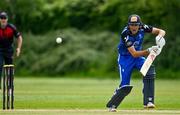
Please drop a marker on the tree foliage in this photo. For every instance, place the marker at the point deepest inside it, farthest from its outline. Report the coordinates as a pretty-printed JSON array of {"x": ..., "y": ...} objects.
[{"x": 79, "y": 52}]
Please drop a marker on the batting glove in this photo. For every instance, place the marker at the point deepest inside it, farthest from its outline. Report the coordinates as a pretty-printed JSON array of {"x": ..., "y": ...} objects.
[
  {"x": 156, "y": 49},
  {"x": 152, "y": 48},
  {"x": 160, "y": 41}
]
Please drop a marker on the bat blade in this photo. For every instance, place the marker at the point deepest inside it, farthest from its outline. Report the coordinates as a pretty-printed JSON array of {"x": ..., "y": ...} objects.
[{"x": 151, "y": 57}]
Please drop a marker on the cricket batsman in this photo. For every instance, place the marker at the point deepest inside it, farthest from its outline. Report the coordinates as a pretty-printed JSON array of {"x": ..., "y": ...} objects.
[
  {"x": 7, "y": 33},
  {"x": 131, "y": 56}
]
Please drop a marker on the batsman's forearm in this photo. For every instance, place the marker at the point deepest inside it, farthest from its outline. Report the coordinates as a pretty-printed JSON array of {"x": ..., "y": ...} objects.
[
  {"x": 140, "y": 53},
  {"x": 135, "y": 53},
  {"x": 159, "y": 32}
]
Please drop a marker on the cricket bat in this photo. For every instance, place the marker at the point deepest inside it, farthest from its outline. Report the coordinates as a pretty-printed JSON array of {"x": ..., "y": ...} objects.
[{"x": 151, "y": 57}]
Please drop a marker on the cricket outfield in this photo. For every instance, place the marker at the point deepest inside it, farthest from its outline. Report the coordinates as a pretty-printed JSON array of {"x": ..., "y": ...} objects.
[{"x": 82, "y": 96}]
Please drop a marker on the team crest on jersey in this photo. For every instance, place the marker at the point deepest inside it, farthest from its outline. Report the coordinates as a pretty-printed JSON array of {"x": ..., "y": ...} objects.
[{"x": 140, "y": 36}]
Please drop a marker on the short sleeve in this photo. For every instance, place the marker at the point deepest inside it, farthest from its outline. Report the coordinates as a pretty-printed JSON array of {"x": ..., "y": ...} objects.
[
  {"x": 147, "y": 28},
  {"x": 16, "y": 33},
  {"x": 125, "y": 38}
]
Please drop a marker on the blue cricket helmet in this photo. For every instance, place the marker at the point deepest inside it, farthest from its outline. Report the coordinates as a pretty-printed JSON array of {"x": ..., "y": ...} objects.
[{"x": 134, "y": 19}]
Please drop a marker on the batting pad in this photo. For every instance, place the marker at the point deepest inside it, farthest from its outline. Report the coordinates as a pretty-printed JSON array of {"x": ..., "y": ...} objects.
[{"x": 119, "y": 95}]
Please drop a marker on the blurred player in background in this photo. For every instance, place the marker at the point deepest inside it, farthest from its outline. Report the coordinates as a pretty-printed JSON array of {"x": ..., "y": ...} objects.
[
  {"x": 131, "y": 56},
  {"x": 7, "y": 33}
]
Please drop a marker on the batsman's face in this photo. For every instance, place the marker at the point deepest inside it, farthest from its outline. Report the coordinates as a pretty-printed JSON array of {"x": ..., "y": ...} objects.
[{"x": 134, "y": 28}]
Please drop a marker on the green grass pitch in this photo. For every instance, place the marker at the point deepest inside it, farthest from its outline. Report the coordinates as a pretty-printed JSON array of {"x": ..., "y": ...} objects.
[{"x": 71, "y": 96}]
